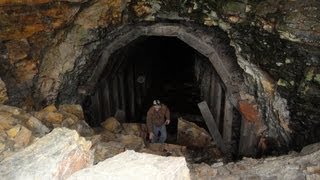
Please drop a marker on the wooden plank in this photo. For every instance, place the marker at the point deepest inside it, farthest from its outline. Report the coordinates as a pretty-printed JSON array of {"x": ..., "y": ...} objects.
[
  {"x": 212, "y": 94},
  {"x": 227, "y": 122},
  {"x": 217, "y": 103},
  {"x": 131, "y": 90},
  {"x": 248, "y": 140},
  {"x": 122, "y": 92},
  {"x": 106, "y": 100},
  {"x": 115, "y": 94},
  {"x": 211, "y": 124},
  {"x": 98, "y": 100}
]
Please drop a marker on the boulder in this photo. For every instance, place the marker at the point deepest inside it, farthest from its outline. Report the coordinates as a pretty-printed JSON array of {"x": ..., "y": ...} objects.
[
  {"x": 164, "y": 149},
  {"x": 136, "y": 129},
  {"x": 112, "y": 124},
  {"x": 55, "y": 156},
  {"x": 131, "y": 142},
  {"x": 3, "y": 92},
  {"x": 107, "y": 136},
  {"x": 189, "y": 134},
  {"x": 49, "y": 118},
  {"x": 202, "y": 171},
  {"x": 37, "y": 127},
  {"x": 105, "y": 150},
  {"x": 132, "y": 165},
  {"x": 11, "y": 116},
  {"x": 12, "y": 110},
  {"x": 17, "y": 130},
  {"x": 82, "y": 128},
  {"x": 73, "y": 109},
  {"x": 7, "y": 121},
  {"x": 310, "y": 149},
  {"x": 22, "y": 138},
  {"x": 50, "y": 108}
]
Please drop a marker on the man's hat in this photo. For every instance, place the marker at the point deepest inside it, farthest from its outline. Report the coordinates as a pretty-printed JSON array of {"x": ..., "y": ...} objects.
[{"x": 156, "y": 102}]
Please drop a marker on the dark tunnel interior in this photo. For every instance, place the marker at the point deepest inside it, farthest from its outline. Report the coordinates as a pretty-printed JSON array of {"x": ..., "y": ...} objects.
[{"x": 153, "y": 67}]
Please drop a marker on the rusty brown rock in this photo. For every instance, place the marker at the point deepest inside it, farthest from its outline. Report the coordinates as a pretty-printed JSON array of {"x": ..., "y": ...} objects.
[
  {"x": 25, "y": 70},
  {"x": 35, "y": 2},
  {"x": 249, "y": 111},
  {"x": 142, "y": 9},
  {"x": 95, "y": 16},
  {"x": 19, "y": 22},
  {"x": 17, "y": 50}
]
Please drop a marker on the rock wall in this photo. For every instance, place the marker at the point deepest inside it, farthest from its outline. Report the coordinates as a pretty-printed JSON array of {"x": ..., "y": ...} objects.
[{"x": 47, "y": 48}]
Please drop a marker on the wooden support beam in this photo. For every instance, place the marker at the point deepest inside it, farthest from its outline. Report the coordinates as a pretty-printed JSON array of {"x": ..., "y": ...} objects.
[
  {"x": 98, "y": 100},
  {"x": 131, "y": 90},
  {"x": 122, "y": 92},
  {"x": 227, "y": 122},
  {"x": 248, "y": 139},
  {"x": 217, "y": 103},
  {"x": 212, "y": 126},
  {"x": 106, "y": 100},
  {"x": 212, "y": 94},
  {"x": 115, "y": 95}
]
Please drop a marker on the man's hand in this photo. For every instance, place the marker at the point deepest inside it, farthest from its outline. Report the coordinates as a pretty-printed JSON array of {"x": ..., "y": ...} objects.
[
  {"x": 151, "y": 135},
  {"x": 167, "y": 122}
]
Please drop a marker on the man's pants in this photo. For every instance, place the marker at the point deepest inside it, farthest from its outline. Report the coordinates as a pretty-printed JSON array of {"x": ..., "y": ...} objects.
[{"x": 160, "y": 134}]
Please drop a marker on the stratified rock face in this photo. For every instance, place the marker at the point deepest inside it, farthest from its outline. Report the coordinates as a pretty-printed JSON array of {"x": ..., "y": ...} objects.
[
  {"x": 189, "y": 134},
  {"x": 3, "y": 92},
  {"x": 64, "y": 55},
  {"x": 55, "y": 156},
  {"x": 132, "y": 165},
  {"x": 27, "y": 28}
]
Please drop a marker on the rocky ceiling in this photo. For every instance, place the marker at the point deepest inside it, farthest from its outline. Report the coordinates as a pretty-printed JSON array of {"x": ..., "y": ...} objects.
[{"x": 48, "y": 47}]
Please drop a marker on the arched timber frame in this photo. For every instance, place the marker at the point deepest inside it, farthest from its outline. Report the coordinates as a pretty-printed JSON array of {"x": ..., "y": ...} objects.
[{"x": 205, "y": 41}]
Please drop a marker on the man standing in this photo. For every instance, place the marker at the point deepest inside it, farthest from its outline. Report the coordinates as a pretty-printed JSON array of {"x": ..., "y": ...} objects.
[{"x": 158, "y": 117}]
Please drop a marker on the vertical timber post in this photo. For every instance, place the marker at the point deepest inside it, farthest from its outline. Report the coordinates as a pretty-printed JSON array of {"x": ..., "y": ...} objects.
[{"x": 227, "y": 122}]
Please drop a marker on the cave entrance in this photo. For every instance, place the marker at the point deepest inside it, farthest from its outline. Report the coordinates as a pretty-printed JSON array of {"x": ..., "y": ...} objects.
[
  {"x": 180, "y": 65},
  {"x": 154, "y": 67}
]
